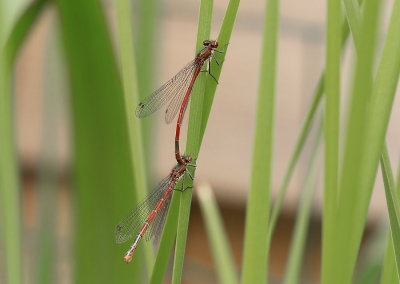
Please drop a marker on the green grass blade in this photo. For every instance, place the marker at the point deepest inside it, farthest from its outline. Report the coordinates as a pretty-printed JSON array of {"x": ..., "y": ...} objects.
[
  {"x": 353, "y": 15},
  {"x": 21, "y": 28},
  {"x": 131, "y": 96},
  {"x": 389, "y": 272},
  {"x": 223, "y": 40},
  {"x": 369, "y": 265},
  {"x": 103, "y": 173},
  {"x": 393, "y": 205},
  {"x": 148, "y": 16},
  {"x": 316, "y": 98},
  {"x": 305, "y": 129},
  {"x": 331, "y": 132},
  {"x": 181, "y": 234},
  {"x": 193, "y": 142},
  {"x": 382, "y": 99},
  {"x": 387, "y": 275},
  {"x": 377, "y": 118},
  {"x": 258, "y": 206},
  {"x": 167, "y": 239},
  {"x": 10, "y": 207},
  {"x": 222, "y": 254},
  {"x": 350, "y": 218},
  {"x": 297, "y": 245},
  {"x": 370, "y": 274},
  {"x": 196, "y": 112},
  {"x": 9, "y": 185}
]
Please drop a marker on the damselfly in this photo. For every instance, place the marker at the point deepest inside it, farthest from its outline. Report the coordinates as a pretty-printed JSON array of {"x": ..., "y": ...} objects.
[
  {"x": 177, "y": 91},
  {"x": 149, "y": 216}
]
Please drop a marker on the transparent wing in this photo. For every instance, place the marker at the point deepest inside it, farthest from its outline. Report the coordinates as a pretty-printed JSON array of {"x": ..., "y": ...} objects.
[
  {"x": 159, "y": 221},
  {"x": 176, "y": 102},
  {"x": 156, "y": 230},
  {"x": 131, "y": 224},
  {"x": 171, "y": 89}
]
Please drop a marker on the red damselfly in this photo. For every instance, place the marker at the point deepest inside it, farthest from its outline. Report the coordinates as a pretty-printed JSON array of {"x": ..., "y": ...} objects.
[
  {"x": 178, "y": 89},
  {"x": 149, "y": 216}
]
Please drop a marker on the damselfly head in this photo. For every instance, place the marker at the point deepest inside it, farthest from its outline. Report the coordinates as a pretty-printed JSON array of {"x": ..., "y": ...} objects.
[
  {"x": 187, "y": 159},
  {"x": 211, "y": 43}
]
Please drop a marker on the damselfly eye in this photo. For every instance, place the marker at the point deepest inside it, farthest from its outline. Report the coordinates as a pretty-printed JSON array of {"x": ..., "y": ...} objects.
[
  {"x": 215, "y": 44},
  {"x": 206, "y": 42}
]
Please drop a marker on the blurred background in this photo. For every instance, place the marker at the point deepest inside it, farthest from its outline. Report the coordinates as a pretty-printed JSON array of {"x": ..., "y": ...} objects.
[{"x": 42, "y": 111}]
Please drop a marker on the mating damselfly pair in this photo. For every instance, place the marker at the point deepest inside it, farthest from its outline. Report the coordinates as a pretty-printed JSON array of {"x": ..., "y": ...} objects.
[{"x": 149, "y": 216}]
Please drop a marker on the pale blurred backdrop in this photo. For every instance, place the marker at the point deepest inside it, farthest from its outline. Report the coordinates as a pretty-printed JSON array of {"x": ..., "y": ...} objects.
[{"x": 225, "y": 157}]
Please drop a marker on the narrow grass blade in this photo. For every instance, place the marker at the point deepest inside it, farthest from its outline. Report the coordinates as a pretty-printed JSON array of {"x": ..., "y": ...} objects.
[
  {"x": 103, "y": 168},
  {"x": 223, "y": 40},
  {"x": 181, "y": 235},
  {"x": 148, "y": 18},
  {"x": 389, "y": 271},
  {"x": 353, "y": 195},
  {"x": 297, "y": 244},
  {"x": 131, "y": 96},
  {"x": 166, "y": 242},
  {"x": 10, "y": 207},
  {"x": 370, "y": 275},
  {"x": 305, "y": 129},
  {"x": 353, "y": 16},
  {"x": 217, "y": 237},
  {"x": 193, "y": 142},
  {"x": 21, "y": 28},
  {"x": 369, "y": 266},
  {"x": 393, "y": 205},
  {"x": 148, "y": 14},
  {"x": 255, "y": 252},
  {"x": 382, "y": 99},
  {"x": 331, "y": 132}
]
